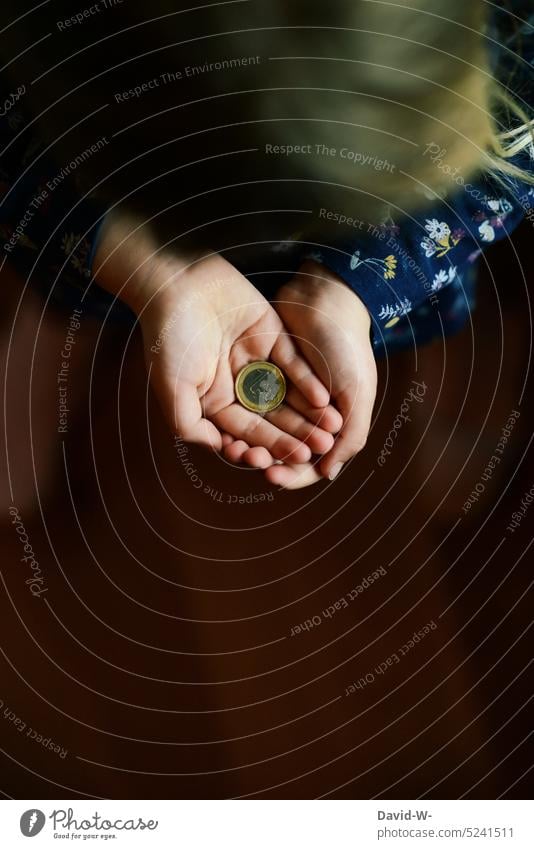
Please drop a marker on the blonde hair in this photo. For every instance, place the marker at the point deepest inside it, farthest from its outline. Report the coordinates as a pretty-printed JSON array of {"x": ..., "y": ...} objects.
[
  {"x": 385, "y": 80},
  {"x": 379, "y": 79}
]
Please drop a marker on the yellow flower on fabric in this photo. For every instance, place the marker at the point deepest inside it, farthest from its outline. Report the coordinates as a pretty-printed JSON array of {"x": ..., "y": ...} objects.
[
  {"x": 391, "y": 263},
  {"x": 439, "y": 237}
]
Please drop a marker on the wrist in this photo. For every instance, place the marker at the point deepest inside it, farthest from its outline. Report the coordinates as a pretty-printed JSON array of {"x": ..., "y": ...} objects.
[
  {"x": 328, "y": 294},
  {"x": 130, "y": 263}
]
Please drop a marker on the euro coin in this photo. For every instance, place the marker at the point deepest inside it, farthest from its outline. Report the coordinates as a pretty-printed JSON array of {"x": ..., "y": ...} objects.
[{"x": 260, "y": 387}]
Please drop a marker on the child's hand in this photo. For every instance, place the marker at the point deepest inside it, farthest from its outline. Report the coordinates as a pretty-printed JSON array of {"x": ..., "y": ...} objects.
[
  {"x": 199, "y": 331},
  {"x": 202, "y": 321},
  {"x": 331, "y": 326}
]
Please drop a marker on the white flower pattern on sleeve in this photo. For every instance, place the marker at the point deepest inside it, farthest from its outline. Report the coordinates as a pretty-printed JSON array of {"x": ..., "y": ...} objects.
[
  {"x": 501, "y": 208},
  {"x": 440, "y": 239},
  {"x": 391, "y": 313},
  {"x": 443, "y": 278}
]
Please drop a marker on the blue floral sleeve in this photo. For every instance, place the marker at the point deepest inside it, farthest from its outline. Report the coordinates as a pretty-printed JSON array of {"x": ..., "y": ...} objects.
[
  {"x": 416, "y": 278},
  {"x": 48, "y": 229}
]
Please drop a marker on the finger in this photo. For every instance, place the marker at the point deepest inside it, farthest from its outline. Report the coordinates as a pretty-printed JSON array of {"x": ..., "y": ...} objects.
[
  {"x": 188, "y": 419},
  {"x": 226, "y": 439},
  {"x": 257, "y": 431},
  {"x": 288, "y": 420},
  {"x": 328, "y": 418},
  {"x": 293, "y": 476},
  {"x": 235, "y": 450},
  {"x": 299, "y": 372},
  {"x": 240, "y": 452},
  {"x": 258, "y": 458},
  {"x": 356, "y": 406}
]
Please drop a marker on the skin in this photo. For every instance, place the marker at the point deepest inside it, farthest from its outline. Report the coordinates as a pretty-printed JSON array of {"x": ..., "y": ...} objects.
[
  {"x": 331, "y": 326},
  {"x": 205, "y": 321}
]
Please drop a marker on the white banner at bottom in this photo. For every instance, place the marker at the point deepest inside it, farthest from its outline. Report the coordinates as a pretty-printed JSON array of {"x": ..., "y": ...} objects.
[{"x": 268, "y": 824}]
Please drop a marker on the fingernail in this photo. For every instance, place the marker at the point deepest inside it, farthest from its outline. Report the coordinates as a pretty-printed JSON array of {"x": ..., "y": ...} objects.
[{"x": 334, "y": 471}]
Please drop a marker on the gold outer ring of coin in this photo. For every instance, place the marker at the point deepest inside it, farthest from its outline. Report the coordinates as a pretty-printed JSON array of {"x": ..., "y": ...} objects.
[{"x": 246, "y": 401}]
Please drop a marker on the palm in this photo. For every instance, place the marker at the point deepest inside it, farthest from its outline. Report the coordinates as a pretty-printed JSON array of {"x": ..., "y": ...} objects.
[
  {"x": 332, "y": 328},
  {"x": 219, "y": 324}
]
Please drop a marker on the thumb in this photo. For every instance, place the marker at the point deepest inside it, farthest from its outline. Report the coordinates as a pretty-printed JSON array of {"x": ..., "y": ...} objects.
[
  {"x": 355, "y": 403},
  {"x": 183, "y": 411}
]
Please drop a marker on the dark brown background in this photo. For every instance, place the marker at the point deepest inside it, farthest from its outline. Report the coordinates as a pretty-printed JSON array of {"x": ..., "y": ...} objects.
[{"x": 162, "y": 658}]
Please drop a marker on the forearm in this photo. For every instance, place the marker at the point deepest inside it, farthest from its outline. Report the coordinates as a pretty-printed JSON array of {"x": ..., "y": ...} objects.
[
  {"x": 131, "y": 264},
  {"x": 126, "y": 249}
]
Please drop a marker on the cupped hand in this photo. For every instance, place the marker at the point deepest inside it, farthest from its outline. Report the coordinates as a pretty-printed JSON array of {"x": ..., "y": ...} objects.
[
  {"x": 331, "y": 327},
  {"x": 201, "y": 325},
  {"x": 201, "y": 322}
]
